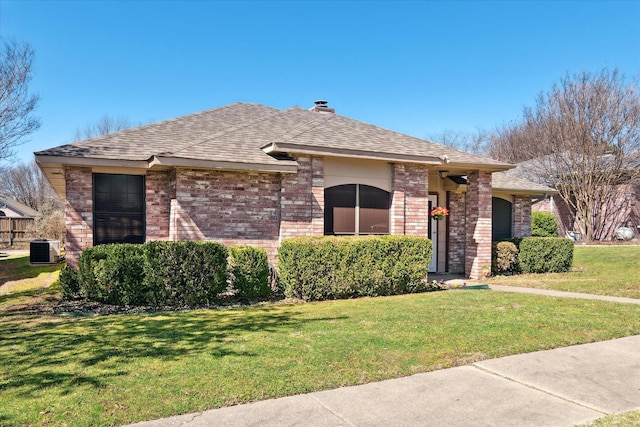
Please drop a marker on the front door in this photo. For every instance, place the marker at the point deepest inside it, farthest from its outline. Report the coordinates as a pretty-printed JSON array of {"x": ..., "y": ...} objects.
[{"x": 433, "y": 234}]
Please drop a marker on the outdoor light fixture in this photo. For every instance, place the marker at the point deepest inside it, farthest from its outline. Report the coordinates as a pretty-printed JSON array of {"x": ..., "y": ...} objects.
[{"x": 443, "y": 174}]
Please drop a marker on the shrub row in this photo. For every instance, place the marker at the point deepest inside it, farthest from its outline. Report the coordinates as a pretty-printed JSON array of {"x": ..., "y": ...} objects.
[
  {"x": 319, "y": 268},
  {"x": 533, "y": 255},
  {"x": 167, "y": 273}
]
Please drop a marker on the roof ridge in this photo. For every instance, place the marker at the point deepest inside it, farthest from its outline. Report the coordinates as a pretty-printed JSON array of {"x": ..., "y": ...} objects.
[
  {"x": 291, "y": 133},
  {"x": 162, "y": 122}
]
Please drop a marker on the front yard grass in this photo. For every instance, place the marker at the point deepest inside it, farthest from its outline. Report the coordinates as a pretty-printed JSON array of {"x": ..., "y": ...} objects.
[
  {"x": 117, "y": 369},
  {"x": 599, "y": 270},
  {"x": 110, "y": 370}
]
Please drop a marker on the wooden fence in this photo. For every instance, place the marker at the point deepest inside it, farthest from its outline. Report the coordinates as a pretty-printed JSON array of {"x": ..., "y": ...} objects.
[{"x": 15, "y": 230}]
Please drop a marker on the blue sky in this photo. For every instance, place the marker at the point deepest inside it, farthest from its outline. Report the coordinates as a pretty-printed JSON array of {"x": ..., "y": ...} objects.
[{"x": 415, "y": 67}]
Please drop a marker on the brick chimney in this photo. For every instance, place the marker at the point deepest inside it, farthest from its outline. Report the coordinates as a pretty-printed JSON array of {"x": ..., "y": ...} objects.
[{"x": 320, "y": 106}]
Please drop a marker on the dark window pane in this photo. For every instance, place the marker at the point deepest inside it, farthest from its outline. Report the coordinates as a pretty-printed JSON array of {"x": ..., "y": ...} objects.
[
  {"x": 374, "y": 210},
  {"x": 501, "y": 219},
  {"x": 118, "y": 208},
  {"x": 341, "y": 196},
  {"x": 344, "y": 220},
  {"x": 372, "y": 197},
  {"x": 374, "y": 221}
]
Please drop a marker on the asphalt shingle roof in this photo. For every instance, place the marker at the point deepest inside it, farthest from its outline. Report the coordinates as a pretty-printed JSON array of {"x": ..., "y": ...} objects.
[
  {"x": 508, "y": 181},
  {"x": 238, "y": 132}
]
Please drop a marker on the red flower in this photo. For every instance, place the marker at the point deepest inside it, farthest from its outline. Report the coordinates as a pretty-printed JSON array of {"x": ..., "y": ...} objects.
[{"x": 439, "y": 212}]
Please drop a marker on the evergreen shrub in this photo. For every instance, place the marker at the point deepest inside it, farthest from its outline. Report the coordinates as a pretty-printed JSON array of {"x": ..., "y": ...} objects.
[
  {"x": 544, "y": 224},
  {"x": 249, "y": 272},
  {"x": 184, "y": 273},
  {"x": 545, "y": 255},
  {"x": 320, "y": 268}
]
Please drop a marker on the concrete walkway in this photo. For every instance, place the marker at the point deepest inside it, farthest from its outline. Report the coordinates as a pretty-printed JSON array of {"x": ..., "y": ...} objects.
[
  {"x": 563, "y": 294},
  {"x": 560, "y": 387}
]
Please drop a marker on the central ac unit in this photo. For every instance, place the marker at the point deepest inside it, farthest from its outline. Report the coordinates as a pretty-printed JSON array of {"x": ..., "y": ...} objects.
[{"x": 43, "y": 251}]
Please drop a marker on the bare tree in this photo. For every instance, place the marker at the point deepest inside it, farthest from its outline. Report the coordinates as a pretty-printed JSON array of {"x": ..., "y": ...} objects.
[
  {"x": 103, "y": 126},
  {"x": 26, "y": 183},
  {"x": 474, "y": 142},
  {"x": 16, "y": 103},
  {"x": 583, "y": 138}
]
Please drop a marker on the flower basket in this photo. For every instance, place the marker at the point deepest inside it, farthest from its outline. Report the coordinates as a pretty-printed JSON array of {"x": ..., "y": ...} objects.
[{"x": 438, "y": 213}]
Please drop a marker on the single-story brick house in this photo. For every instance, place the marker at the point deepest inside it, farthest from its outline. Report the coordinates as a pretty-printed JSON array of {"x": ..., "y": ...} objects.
[{"x": 252, "y": 174}]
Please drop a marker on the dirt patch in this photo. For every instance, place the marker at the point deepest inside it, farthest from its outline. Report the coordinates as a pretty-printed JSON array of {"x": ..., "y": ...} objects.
[
  {"x": 51, "y": 304},
  {"x": 7, "y": 287}
]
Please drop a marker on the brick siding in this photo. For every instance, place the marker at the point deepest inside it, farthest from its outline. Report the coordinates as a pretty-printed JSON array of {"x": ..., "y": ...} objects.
[
  {"x": 302, "y": 200},
  {"x": 410, "y": 200},
  {"x": 78, "y": 212},
  {"x": 521, "y": 216},
  {"x": 478, "y": 230},
  {"x": 457, "y": 232},
  {"x": 261, "y": 209},
  {"x": 160, "y": 189},
  {"x": 397, "y": 199},
  {"x": 229, "y": 207}
]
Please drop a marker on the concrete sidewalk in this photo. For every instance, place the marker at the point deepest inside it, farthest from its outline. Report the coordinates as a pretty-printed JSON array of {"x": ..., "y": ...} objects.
[
  {"x": 563, "y": 294},
  {"x": 560, "y": 387}
]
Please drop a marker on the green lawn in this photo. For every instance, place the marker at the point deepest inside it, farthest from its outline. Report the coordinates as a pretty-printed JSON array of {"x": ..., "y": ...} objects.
[
  {"x": 626, "y": 419},
  {"x": 599, "y": 270},
  {"x": 117, "y": 369}
]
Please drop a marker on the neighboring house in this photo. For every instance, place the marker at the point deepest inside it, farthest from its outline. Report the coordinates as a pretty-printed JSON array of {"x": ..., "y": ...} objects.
[
  {"x": 15, "y": 219},
  {"x": 14, "y": 209},
  {"x": 252, "y": 174},
  {"x": 621, "y": 210}
]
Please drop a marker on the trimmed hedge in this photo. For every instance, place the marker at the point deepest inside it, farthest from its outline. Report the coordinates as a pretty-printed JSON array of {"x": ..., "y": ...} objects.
[
  {"x": 544, "y": 224},
  {"x": 184, "y": 273},
  {"x": 249, "y": 272},
  {"x": 319, "y": 268},
  {"x": 69, "y": 282},
  {"x": 154, "y": 273},
  {"x": 545, "y": 255}
]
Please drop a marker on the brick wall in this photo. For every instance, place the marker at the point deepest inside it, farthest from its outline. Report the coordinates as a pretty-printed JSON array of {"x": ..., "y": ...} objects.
[
  {"x": 78, "y": 212},
  {"x": 457, "y": 232},
  {"x": 302, "y": 200},
  {"x": 229, "y": 207},
  {"x": 478, "y": 232},
  {"x": 416, "y": 200},
  {"x": 160, "y": 189},
  {"x": 397, "y": 199},
  {"x": 410, "y": 200},
  {"x": 317, "y": 199},
  {"x": 521, "y": 216}
]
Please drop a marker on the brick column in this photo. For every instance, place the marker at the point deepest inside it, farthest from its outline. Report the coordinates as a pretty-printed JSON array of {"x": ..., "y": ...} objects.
[
  {"x": 478, "y": 217},
  {"x": 416, "y": 202},
  {"x": 410, "y": 200},
  {"x": 317, "y": 196},
  {"x": 457, "y": 232},
  {"x": 299, "y": 204},
  {"x": 159, "y": 188},
  {"x": 521, "y": 214},
  {"x": 397, "y": 199},
  {"x": 78, "y": 212}
]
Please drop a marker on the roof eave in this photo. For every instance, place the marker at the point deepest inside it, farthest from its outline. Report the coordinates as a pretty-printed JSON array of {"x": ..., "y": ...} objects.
[
  {"x": 360, "y": 154},
  {"x": 90, "y": 161},
  {"x": 284, "y": 166},
  {"x": 527, "y": 192}
]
